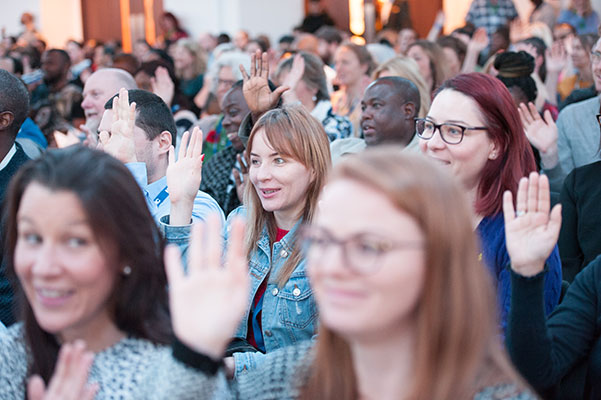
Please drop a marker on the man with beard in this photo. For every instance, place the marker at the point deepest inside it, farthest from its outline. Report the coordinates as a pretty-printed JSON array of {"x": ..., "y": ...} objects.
[{"x": 63, "y": 97}]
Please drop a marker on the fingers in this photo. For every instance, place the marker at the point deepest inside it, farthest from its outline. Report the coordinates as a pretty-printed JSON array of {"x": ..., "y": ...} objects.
[
  {"x": 253, "y": 61},
  {"x": 153, "y": 84},
  {"x": 171, "y": 155},
  {"x": 279, "y": 91},
  {"x": 554, "y": 224},
  {"x": 548, "y": 118},
  {"x": 183, "y": 145},
  {"x": 245, "y": 76},
  {"x": 174, "y": 268},
  {"x": 36, "y": 388},
  {"x": 242, "y": 163},
  {"x": 508, "y": 210},
  {"x": 522, "y": 196},
  {"x": 265, "y": 66},
  {"x": 131, "y": 118},
  {"x": 115, "y": 109},
  {"x": 533, "y": 111},
  {"x": 237, "y": 178},
  {"x": 104, "y": 138},
  {"x": 532, "y": 202},
  {"x": 197, "y": 149}
]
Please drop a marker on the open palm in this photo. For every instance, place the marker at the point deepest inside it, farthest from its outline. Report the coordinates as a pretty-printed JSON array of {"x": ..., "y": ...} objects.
[
  {"x": 531, "y": 232},
  {"x": 208, "y": 303},
  {"x": 542, "y": 133},
  {"x": 257, "y": 93}
]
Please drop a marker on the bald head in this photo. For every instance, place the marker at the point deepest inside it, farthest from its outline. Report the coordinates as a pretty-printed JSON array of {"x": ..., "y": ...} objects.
[
  {"x": 388, "y": 107},
  {"x": 99, "y": 88}
]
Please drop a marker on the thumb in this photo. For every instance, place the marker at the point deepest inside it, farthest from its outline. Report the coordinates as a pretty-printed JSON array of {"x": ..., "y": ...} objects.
[
  {"x": 36, "y": 388},
  {"x": 237, "y": 179},
  {"x": 280, "y": 90}
]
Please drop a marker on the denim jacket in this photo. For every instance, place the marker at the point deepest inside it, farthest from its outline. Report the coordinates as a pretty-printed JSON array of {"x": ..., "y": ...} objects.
[{"x": 289, "y": 313}]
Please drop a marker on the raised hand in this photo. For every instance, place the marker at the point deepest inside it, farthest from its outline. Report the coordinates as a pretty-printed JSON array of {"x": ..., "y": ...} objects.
[
  {"x": 208, "y": 303},
  {"x": 556, "y": 57},
  {"x": 240, "y": 177},
  {"x": 91, "y": 139},
  {"x": 69, "y": 381},
  {"x": 184, "y": 176},
  {"x": 531, "y": 231},
  {"x": 542, "y": 133},
  {"x": 162, "y": 85},
  {"x": 257, "y": 94},
  {"x": 120, "y": 142},
  {"x": 479, "y": 40}
]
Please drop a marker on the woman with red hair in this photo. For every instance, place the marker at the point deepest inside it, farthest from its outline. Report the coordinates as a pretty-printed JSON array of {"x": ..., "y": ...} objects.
[{"x": 481, "y": 140}]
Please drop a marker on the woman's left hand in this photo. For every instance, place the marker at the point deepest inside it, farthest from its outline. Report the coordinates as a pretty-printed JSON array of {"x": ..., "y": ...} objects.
[
  {"x": 69, "y": 381},
  {"x": 531, "y": 232}
]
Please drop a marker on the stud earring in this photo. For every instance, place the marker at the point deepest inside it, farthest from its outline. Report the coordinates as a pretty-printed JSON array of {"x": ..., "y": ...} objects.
[{"x": 126, "y": 270}]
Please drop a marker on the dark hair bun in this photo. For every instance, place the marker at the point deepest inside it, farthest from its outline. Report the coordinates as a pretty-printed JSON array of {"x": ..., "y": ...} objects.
[{"x": 514, "y": 65}]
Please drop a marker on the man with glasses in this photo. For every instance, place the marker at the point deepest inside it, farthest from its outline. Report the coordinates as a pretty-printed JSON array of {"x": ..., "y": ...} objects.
[{"x": 578, "y": 133}]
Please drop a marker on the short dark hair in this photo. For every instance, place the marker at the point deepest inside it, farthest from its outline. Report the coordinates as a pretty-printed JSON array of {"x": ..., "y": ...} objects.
[
  {"x": 152, "y": 114},
  {"x": 223, "y": 38},
  {"x": 514, "y": 70},
  {"x": 62, "y": 54},
  {"x": 119, "y": 218},
  {"x": 329, "y": 34},
  {"x": 286, "y": 39},
  {"x": 403, "y": 88},
  {"x": 540, "y": 47},
  {"x": 14, "y": 98}
]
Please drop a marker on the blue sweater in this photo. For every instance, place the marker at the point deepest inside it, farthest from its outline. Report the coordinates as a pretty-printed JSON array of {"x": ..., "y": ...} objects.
[{"x": 491, "y": 231}]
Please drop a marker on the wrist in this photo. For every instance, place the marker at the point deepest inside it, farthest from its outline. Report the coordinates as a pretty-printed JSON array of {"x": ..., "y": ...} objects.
[
  {"x": 528, "y": 269},
  {"x": 550, "y": 158}
]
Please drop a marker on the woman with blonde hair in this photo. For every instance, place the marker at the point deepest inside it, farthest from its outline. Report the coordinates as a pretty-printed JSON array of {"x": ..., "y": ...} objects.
[
  {"x": 190, "y": 62},
  {"x": 406, "y": 311},
  {"x": 431, "y": 62},
  {"x": 406, "y": 67}
]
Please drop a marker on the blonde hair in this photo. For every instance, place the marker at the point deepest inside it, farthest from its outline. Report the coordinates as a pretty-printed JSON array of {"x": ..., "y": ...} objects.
[
  {"x": 407, "y": 68},
  {"x": 457, "y": 352},
  {"x": 438, "y": 62},
  {"x": 199, "y": 64},
  {"x": 294, "y": 133}
]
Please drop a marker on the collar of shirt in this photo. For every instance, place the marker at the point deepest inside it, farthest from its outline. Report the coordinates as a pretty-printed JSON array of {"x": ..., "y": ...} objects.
[
  {"x": 155, "y": 188},
  {"x": 8, "y": 157}
]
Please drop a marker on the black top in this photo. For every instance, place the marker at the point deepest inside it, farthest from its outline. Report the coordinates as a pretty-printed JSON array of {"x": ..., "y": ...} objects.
[
  {"x": 562, "y": 354},
  {"x": 580, "y": 237},
  {"x": 6, "y": 293}
]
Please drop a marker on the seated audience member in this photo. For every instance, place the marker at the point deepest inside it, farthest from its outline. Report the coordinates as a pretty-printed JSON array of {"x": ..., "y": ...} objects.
[
  {"x": 127, "y": 62},
  {"x": 305, "y": 79},
  {"x": 87, "y": 259},
  {"x": 582, "y": 76},
  {"x": 543, "y": 12},
  {"x": 100, "y": 87},
  {"x": 353, "y": 65},
  {"x": 225, "y": 71},
  {"x": 63, "y": 97},
  {"x": 407, "y": 68},
  {"x": 407, "y": 36},
  {"x": 190, "y": 65},
  {"x": 568, "y": 147},
  {"x": 473, "y": 129},
  {"x": 557, "y": 355},
  {"x": 140, "y": 135},
  {"x": 80, "y": 65},
  {"x": 391, "y": 325},
  {"x": 431, "y": 61},
  {"x": 454, "y": 50},
  {"x": 171, "y": 30},
  {"x": 329, "y": 39},
  {"x": 581, "y": 16},
  {"x": 491, "y": 15},
  {"x": 221, "y": 172},
  {"x": 14, "y": 106}
]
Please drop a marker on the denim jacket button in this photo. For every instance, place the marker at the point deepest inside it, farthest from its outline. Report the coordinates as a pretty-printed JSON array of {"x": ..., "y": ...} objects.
[
  {"x": 283, "y": 253},
  {"x": 275, "y": 292},
  {"x": 296, "y": 292},
  {"x": 268, "y": 333}
]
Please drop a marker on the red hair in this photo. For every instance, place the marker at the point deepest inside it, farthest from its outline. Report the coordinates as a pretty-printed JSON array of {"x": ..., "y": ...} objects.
[{"x": 505, "y": 129}]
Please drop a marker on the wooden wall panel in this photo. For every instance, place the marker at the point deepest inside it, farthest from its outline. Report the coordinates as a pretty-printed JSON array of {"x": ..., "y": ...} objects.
[{"x": 101, "y": 19}]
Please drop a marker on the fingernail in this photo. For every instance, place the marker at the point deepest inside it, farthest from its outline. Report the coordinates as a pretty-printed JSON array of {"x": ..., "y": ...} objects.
[{"x": 202, "y": 158}]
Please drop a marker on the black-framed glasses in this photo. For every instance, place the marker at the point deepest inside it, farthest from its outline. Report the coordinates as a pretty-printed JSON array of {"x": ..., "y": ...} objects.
[
  {"x": 599, "y": 118},
  {"x": 361, "y": 253},
  {"x": 450, "y": 133}
]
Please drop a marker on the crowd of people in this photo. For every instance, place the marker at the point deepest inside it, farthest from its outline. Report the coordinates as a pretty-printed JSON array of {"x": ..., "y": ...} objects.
[{"x": 220, "y": 217}]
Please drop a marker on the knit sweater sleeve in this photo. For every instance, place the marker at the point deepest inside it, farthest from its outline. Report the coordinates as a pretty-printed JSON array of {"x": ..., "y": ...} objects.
[
  {"x": 544, "y": 351},
  {"x": 13, "y": 363},
  {"x": 280, "y": 377}
]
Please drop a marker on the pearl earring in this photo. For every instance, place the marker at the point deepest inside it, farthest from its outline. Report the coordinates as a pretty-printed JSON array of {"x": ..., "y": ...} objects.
[{"x": 126, "y": 270}]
